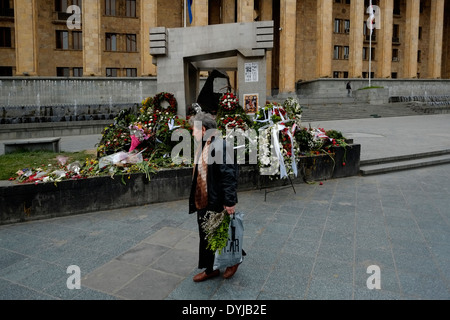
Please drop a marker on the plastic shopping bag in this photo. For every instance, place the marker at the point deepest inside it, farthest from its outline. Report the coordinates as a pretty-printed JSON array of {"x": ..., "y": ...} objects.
[{"x": 232, "y": 254}]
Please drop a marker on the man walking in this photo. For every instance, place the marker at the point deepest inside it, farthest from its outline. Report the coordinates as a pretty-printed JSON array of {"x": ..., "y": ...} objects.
[
  {"x": 349, "y": 89},
  {"x": 214, "y": 186}
]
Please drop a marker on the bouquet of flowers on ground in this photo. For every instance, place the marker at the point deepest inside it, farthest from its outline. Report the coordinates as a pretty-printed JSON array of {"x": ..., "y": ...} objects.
[
  {"x": 216, "y": 226},
  {"x": 137, "y": 135}
]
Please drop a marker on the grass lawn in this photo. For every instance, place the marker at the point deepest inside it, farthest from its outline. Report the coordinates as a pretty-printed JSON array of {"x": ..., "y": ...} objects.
[{"x": 12, "y": 162}]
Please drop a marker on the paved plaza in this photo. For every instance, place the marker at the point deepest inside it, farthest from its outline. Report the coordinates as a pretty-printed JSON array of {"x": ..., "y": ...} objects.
[{"x": 319, "y": 243}]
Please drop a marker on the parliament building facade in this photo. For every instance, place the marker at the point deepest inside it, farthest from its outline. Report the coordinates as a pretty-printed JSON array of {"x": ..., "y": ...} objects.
[{"x": 312, "y": 38}]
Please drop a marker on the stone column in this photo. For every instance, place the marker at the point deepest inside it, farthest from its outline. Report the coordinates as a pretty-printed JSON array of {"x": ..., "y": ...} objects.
[
  {"x": 436, "y": 37},
  {"x": 357, "y": 10},
  {"x": 26, "y": 38},
  {"x": 228, "y": 11},
  {"x": 411, "y": 38},
  {"x": 92, "y": 44},
  {"x": 384, "y": 59},
  {"x": 324, "y": 38},
  {"x": 199, "y": 13},
  {"x": 288, "y": 25},
  {"x": 266, "y": 15},
  {"x": 245, "y": 9},
  {"x": 148, "y": 16}
]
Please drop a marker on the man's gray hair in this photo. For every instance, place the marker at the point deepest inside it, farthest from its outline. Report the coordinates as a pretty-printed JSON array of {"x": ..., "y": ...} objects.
[{"x": 208, "y": 121}]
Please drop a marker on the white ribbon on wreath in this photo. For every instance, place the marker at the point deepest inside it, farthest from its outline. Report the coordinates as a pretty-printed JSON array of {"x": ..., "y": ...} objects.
[{"x": 276, "y": 129}]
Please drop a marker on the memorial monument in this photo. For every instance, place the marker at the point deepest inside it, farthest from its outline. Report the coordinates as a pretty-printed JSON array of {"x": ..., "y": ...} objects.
[{"x": 180, "y": 54}]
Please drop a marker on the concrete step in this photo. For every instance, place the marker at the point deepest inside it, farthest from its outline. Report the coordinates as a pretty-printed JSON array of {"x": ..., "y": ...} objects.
[
  {"x": 340, "y": 111},
  {"x": 397, "y": 163}
]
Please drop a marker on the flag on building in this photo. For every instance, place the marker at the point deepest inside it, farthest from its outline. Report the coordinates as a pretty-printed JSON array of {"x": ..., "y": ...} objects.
[
  {"x": 189, "y": 2},
  {"x": 371, "y": 18}
]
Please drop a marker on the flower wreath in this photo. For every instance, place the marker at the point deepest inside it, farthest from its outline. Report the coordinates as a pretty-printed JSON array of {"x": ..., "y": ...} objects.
[
  {"x": 165, "y": 96},
  {"x": 228, "y": 101}
]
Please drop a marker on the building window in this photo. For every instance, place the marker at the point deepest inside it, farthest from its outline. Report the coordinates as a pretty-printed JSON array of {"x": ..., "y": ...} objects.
[
  {"x": 394, "y": 75},
  {"x": 5, "y": 9},
  {"x": 419, "y": 56},
  {"x": 61, "y": 5},
  {"x": 62, "y": 72},
  {"x": 111, "y": 72},
  {"x": 62, "y": 40},
  {"x": 131, "y": 72},
  {"x": 347, "y": 26},
  {"x": 420, "y": 33},
  {"x": 77, "y": 39},
  {"x": 131, "y": 43},
  {"x": 346, "y": 52},
  {"x": 5, "y": 37},
  {"x": 77, "y": 72},
  {"x": 110, "y": 7},
  {"x": 397, "y": 4},
  {"x": 395, "y": 55},
  {"x": 396, "y": 34},
  {"x": 6, "y": 71},
  {"x": 337, "y": 25},
  {"x": 337, "y": 52},
  {"x": 111, "y": 42},
  {"x": 131, "y": 8}
]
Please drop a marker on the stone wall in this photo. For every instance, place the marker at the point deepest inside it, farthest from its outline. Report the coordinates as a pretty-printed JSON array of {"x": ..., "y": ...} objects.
[
  {"x": 26, "y": 202},
  {"x": 54, "y": 91},
  {"x": 332, "y": 88}
]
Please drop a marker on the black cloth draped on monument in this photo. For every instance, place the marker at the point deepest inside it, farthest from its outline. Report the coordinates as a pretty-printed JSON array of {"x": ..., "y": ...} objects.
[{"x": 208, "y": 99}]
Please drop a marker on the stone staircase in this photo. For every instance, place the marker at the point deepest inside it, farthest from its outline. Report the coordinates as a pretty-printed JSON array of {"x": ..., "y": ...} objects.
[
  {"x": 411, "y": 161},
  {"x": 342, "y": 108},
  {"x": 341, "y": 111}
]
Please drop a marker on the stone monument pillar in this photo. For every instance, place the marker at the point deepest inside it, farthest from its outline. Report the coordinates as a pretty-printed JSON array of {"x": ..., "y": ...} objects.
[{"x": 181, "y": 53}]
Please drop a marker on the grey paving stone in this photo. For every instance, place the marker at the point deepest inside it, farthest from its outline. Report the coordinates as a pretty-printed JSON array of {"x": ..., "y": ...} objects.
[
  {"x": 143, "y": 254},
  {"x": 167, "y": 236},
  {"x": 234, "y": 292},
  {"x": 424, "y": 286},
  {"x": 150, "y": 285},
  {"x": 302, "y": 247},
  {"x": 189, "y": 290},
  {"x": 333, "y": 270},
  {"x": 329, "y": 289},
  {"x": 12, "y": 291},
  {"x": 375, "y": 294},
  {"x": 336, "y": 252},
  {"x": 176, "y": 261},
  {"x": 8, "y": 258},
  {"x": 112, "y": 276}
]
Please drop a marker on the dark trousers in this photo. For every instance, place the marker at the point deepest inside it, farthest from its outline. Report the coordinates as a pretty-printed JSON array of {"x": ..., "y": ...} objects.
[{"x": 205, "y": 256}]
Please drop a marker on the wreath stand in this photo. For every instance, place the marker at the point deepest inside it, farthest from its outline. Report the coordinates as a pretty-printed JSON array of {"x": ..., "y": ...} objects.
[{"x": 278, "y": 188}]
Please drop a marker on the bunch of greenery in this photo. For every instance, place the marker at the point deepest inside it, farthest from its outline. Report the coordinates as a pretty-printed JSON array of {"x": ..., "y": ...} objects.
[{"x": 216, "y": 227}]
